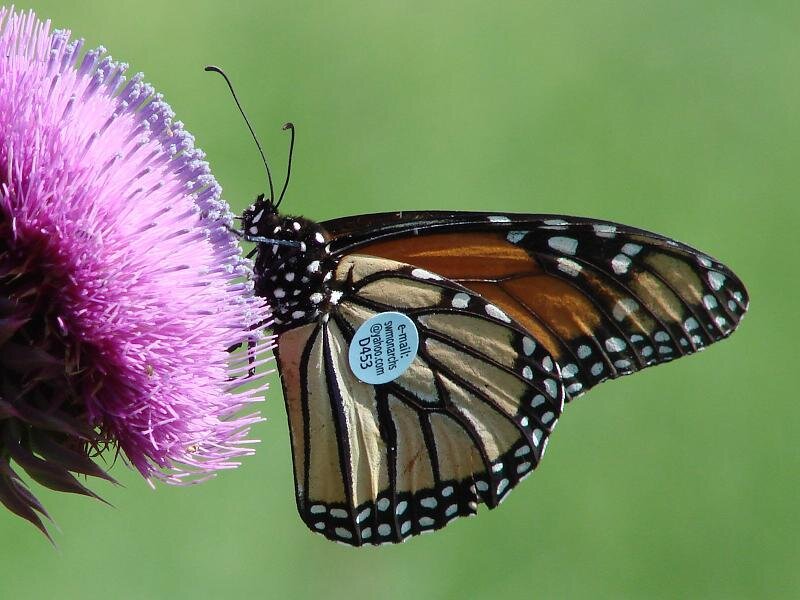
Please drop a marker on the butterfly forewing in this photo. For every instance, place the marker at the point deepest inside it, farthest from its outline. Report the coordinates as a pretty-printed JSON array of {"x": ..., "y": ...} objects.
[
  {"x": 605, "y": 299},
  {"x": 464, "y": 424}
]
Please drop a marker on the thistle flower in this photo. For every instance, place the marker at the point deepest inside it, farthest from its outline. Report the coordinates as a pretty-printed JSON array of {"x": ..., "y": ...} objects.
[{"x": 121, "y": 284}]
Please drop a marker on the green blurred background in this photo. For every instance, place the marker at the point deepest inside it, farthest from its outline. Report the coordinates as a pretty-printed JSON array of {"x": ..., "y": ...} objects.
[{"x": 679, "y": 117}]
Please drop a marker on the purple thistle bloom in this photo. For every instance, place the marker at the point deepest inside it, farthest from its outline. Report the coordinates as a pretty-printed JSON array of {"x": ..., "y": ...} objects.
[{"x": 121, "y": 284}]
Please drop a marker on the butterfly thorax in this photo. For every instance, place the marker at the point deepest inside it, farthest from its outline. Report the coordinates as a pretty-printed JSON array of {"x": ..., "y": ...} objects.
[{"x": 294, "y": 277}]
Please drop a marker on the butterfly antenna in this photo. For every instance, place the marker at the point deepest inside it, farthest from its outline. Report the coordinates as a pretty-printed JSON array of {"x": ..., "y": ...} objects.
[
  {"x": 253, "y": 133},
  {"x": 289, "y": 126}
]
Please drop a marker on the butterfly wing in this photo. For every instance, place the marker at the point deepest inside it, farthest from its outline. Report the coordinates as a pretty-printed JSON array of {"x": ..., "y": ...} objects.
[
  {"x": 463, "y": 425},
  {"x": 604, "y": 299}
]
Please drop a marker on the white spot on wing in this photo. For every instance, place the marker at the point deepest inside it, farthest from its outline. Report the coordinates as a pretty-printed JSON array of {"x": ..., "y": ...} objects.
[
  {"x": 574, "y": 388},
  {"x": 460, "y": 300},
  {"x": 522, "y": 451},
  {"x": 429, "y": 502},
  {"x": 515, "y": 237},
  {"x": 620, "y": 264},
  {"x": 343, "y": 533},
  {"x": 528, "y": 345},
  {"x": 716, "y": 280},
  {"x": 496, "y": 313},
  {"x": 605, "y": 231},
  {"x": 499, "y": 219},
  {"x": 615, "y": 344},
  {"x": 563, "y": 244},
  {"x": 423, "y": 274},
  {"x": 624, "y": 308},
  {"x": 631, "y": 249},
  {"x": 568, "y": 266}
]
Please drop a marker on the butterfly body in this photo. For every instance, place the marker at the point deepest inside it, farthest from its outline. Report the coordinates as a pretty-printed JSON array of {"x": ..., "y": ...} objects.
[
  {"x": 294, "y": 273},
  {"x": 515, "y": 315}
]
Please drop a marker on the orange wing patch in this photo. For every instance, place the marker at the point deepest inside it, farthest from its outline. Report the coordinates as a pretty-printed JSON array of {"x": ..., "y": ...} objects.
[{"x": 468, "y": 256}]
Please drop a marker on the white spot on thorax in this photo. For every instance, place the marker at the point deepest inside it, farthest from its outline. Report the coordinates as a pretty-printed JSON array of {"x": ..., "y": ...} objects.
[
  {"x": 253, "y": 230},
  {"x": 319, "y": 237},
  {"x": 313, "y": 266},
  {"x": 257, "y": 218}
]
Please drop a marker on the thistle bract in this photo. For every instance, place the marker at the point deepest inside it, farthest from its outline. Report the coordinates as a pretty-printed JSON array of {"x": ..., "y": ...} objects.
[{"x": 121, "y": 285}]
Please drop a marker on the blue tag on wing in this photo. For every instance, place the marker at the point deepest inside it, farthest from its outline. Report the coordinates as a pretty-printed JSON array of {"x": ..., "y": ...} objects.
[{"x": 383, "y": 347}]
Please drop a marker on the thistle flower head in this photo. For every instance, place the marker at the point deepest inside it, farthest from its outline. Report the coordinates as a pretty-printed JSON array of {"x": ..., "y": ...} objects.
[{"x": 121, "y": 284}]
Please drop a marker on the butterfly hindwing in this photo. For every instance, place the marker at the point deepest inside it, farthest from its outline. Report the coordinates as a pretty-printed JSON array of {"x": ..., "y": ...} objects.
[
  {"x": 462, "y": 426},
  {"x": 605, "y": 299}
]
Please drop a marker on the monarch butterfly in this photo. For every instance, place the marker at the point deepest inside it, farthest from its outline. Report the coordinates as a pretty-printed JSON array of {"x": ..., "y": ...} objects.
[{"x": 513, "y": 314}]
